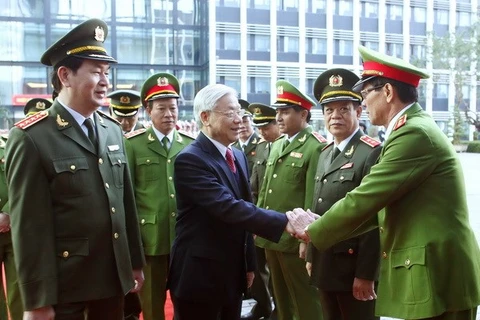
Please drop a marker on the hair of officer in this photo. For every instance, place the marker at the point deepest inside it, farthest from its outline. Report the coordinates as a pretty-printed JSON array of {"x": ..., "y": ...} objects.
[
  {"x": 206, "y": 99},
  {"x": 406, "y": 92},
  {"x": 72, "y": 63},
  {"x": 297, "y": 108}
]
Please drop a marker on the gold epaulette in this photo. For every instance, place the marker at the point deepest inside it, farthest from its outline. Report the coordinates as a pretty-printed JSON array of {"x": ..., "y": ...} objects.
[
  {"x": 135, "y": 133},
  {"x": 319, "y": 137},
  {"x": 370, "y": 141},
  {"x": 328, "y": 145},
  {"x": 106, "y": 116},
  {"x": 400, "y": 122},
  {"x": 31, "y": 120},
  {"x": 188, "y": 134}
]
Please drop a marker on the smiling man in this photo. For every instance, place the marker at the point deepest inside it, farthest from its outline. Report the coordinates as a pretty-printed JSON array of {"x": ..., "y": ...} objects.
[
  {"x": 151, "y": 154},
  {"x": 75, "y": 233}
]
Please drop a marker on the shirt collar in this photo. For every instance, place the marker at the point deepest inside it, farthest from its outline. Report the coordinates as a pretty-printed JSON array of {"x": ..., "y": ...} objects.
[
  {"x": 344, "y": 143},
  {"x": 392, "y": 122},
  {"x": 161, "y": 135},
  {"x": 221, "y": 148}
]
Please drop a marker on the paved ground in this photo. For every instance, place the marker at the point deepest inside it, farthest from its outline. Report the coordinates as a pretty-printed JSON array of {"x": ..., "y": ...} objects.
[{"x": 471, "y": 168}]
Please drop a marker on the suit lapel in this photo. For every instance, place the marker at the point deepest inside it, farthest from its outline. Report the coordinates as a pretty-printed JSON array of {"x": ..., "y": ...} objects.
[
  {"x": 70, "y": 128},
  {"x": 297, "y": 142},
  {"x": 153, "y": 143},
  {"x": 345, "y": 156},
  {"x": 177, "y": 144},
  {"x": 102, "y": 134}
]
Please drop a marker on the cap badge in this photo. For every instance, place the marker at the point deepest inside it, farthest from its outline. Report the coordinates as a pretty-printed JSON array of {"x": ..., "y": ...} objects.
[
  {"x": 162, "y": 81},
  {"x": 258, "y": 111},
  {"x": 125, "y": 99},
  {"x": 99, "y": 34},
  {"x": 280, "y": 90},
  {"x": 40, "y": 105},
  {"x": 335, "y": 81}
]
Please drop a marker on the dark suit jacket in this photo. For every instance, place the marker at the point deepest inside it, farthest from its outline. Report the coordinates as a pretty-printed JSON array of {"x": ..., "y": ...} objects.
[
  {"x": 213, "y": 248},
  {"x": 74, "y": 222},
  {"x": 335, "y": 268}
]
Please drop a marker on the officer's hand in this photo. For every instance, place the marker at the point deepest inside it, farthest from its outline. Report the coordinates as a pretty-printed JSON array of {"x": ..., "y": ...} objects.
[
  {"x": 4, "y": 222},
  {"x": 308, "y": 266},
  {"x": 139, "y": 278},
  {"x": 299, "y": 220},
  {"x": 250, "y": 277},
  {"x": 43, "y": 313},
  {"x": 363, "y": 290},
  {"x": 302, "y": 250}
]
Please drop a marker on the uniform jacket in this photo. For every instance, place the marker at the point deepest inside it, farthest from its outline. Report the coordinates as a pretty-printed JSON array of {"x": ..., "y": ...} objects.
[
  {"x": 259, "y": 165},
  {"x": 152, "y": 176},
  {"x": 430, "y": 257},
  {"x": 289, "y": 181},
  {"x": 213, "y": 248},
  {"x": 249, "y": 150},
  {"x": 5, "y": 237},
  {"x": 335, "y": 268},
  {"x": 74, "y": 221}
]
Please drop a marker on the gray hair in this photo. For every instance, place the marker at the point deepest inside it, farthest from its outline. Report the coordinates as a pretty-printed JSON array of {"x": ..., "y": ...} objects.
[{"x": 206, "y": 99}]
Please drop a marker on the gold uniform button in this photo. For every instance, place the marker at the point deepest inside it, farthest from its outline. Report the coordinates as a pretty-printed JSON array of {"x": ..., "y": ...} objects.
[
  {"x": 107, "y": 185},
  {"x": 407, "y": 262},
  {"x": 293, "y": 164},
  {"x": 72, "y": 167},
  {"x": 169, "y": 160},
  {"x": 350, "y": 251},
  {"x": 342, "y": 177},
  {"x": 113, "y": 209},
  {"x": 384, "y": 255},
  {"x": 258, "y": 162},
  {"x": 270, "y": 191},
  {"x": 3, "y": 160},
  {"x": 280, "y": 160},
  {"x": 381, "y": 230},
  {"x": 172, "y": 196},
  {"x": 115, "y": 235},
  {"x": 267, "y": 207},
  {"x": 142, "y": 221},
  {"x": 65, "y": 254},
  {"x": 320, "y": 200},
  {"x": 173, "y": 214},
  {"x": 100, "y": 161},
  {"x": 317, "y": 178},
  {"x": 324, "y": 180},
  {"x": 148, "y": 160},
  {"x": 275, "y": 175},
  {"x": 170, "y": 178},
  {"x": 119, "y": 161}
]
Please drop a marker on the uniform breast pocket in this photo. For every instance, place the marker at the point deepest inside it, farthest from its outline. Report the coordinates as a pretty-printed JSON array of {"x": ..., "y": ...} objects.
[
  {"x": 294, "y": 170},
  {"x": 344, "y": 176},
  {"x": 118, "y": 162},
  {"x": 71, "y": 177},
  {"x": 148, "y": 168},
  {"x": 410, "y": 276}
]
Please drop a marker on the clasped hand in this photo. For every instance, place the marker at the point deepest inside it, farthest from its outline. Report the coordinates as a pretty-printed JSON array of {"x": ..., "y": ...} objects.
[{"x": 298, "y": 220}]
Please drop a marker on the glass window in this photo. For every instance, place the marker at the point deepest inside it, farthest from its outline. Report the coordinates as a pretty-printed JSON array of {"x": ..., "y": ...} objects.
[
  {"x": 316, "y": 6},
  {"x": 316, "y": 46},
  {"x": 233, "y": 82},
  {"x": 231, "y": 3},
  {"x": 186, "y": 12},
  {"x": 463, "y": 19},
  {"x": 258, "y": 85},
  {"x": 343, "y": 7},
  {"x": 131, "y": 79},
  {"x": 162, "y": 11},
  {"x": 81, "y": 9},
  {"x": 259, "y": 4},
  {"x": 395, "y": 49},
  {"x": 257, "y": 42},
  {"x": 15, "y": 8},
  {"x": 441, "y": 16},
  {"x": 185, "y": 46},
  {"x": 131, "y": 11},
  {"x": 21, "y": 41},
  {"x": 369, "y": 10},
  {"x": 232, "y": 41},
  {"x": 418, "y": 55},
  {"x": 394, "y": 12},
  {"x": 466, "y": 92},
  {"x": 440, "y": 90},
  {"x": 344, "y": 47},
  {"x": 419, "y": 14},
  {"x": 287, "y": 5},
  {"x": 287, "y": 44},
  {"x": 370, "y": 44}
]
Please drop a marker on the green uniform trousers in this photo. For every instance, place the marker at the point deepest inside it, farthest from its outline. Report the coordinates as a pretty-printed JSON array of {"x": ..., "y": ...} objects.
[
  {"x": 13, "y": 299},
  {"x": 470, "y": 314},
  {"x": 295, "y": 298},
  {"x": 153, "y": 293}
]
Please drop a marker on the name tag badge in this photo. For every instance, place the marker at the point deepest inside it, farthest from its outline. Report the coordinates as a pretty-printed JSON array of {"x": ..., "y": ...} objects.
[
  {"x": 113, "y": 147},
  {"x": 347, "y": 165}
]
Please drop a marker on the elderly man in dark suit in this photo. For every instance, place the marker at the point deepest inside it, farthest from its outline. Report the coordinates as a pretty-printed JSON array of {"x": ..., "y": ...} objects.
[
  {"x": 213, "y": 259},
  {"x": 74, "y": 223}
]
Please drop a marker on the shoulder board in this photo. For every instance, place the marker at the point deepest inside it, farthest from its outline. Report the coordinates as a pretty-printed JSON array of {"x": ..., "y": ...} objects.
[
  {"x": 31, "y": 120},
  {"x": 400, "y": 122},
  {"x": 370, "y": 141},
  {"x": 319, "y": 137},
  {"x": 328, "y": 145},
  {"x": 106, "y": 116},
  {"x": 135, "y": 133},
  {"x": 261, "y": 140},
  {"x": 187, "y": 134}
]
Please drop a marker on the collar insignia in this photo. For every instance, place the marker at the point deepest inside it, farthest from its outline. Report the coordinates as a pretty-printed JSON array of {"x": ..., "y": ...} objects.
[
  {"x": 150, "y": 137},
  {"x": 62, "y": 123},
  {"x": 350, "y": 151}
]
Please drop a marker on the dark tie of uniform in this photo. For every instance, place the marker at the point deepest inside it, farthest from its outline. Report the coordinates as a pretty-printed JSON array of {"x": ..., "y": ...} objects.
[
  {"x": 285, "y": 144},
  {"x": 91, "y": 132},
  {"x": 230, "y": 160},
  {"x": 165, "y": 144},
  {"x": 335, "y": 153}
]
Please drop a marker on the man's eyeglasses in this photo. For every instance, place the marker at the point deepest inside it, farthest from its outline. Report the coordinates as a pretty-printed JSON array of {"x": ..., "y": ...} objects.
[
  {"x": 365, "y": 92},
  {"x": 231, "y": 114}
]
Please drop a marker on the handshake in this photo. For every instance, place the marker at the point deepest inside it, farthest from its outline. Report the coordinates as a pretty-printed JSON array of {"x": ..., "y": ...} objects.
[{"x": 298, "y": 221}]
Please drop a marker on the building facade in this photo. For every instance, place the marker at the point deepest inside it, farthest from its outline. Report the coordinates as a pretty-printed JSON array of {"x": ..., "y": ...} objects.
[{"x": 246, "y": 44}]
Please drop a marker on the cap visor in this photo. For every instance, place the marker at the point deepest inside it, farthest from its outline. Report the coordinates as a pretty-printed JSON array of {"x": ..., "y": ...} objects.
[
  {"x": 339, "y": 98},
  {"x": 357, "y": 87},
  {"x": 96, "y": 56}
]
